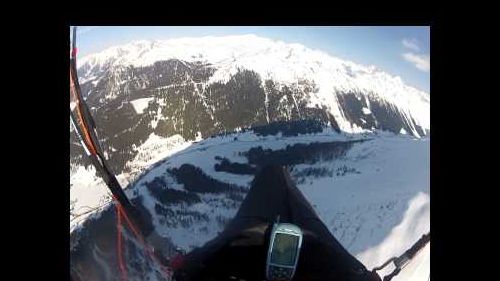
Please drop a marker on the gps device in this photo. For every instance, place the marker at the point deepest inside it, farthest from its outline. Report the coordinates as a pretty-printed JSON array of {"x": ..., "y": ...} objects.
[{"x": 283, "y": 252}]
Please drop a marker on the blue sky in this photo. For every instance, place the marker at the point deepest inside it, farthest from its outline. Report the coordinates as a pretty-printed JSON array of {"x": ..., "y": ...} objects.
[{"x": 402, "y": 50}]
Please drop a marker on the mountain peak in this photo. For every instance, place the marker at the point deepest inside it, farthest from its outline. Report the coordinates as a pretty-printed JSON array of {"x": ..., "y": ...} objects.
[{"x": 283, "y": 63}]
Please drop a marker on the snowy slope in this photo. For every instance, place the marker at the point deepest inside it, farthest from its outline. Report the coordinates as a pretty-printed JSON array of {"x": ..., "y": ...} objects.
[
  {"x": 415, "y": 223},
  {"x": 275, "y": 60},
  {"x": 140, "y": 104},
  {"x": 89, "y": 192},
  {"x": 374, "y": 199},
  {"x": 359, "y": 208}
]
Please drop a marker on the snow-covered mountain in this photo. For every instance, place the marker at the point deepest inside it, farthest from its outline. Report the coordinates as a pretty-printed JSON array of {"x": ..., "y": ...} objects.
[
  {"x": 198, "y": 87},
  {"x": 324, "y": 78},
  {"x": 214, "y": 109}
]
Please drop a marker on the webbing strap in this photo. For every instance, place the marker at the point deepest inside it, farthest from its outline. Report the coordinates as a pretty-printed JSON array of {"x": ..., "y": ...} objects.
[{"x": 84, "y": 125}]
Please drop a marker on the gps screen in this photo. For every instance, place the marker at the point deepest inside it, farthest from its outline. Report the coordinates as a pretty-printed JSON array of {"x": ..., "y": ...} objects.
[{"x": 284, "y": 249}]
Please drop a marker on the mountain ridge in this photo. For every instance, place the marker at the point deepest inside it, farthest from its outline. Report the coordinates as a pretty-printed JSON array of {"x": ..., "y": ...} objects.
[{"x": 282, "y": 63}]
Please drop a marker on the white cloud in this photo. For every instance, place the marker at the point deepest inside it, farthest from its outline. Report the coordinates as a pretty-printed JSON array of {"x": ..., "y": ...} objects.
[
  {"x": 411, "y": 44},
  {"x": 421, "y": 62}
]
